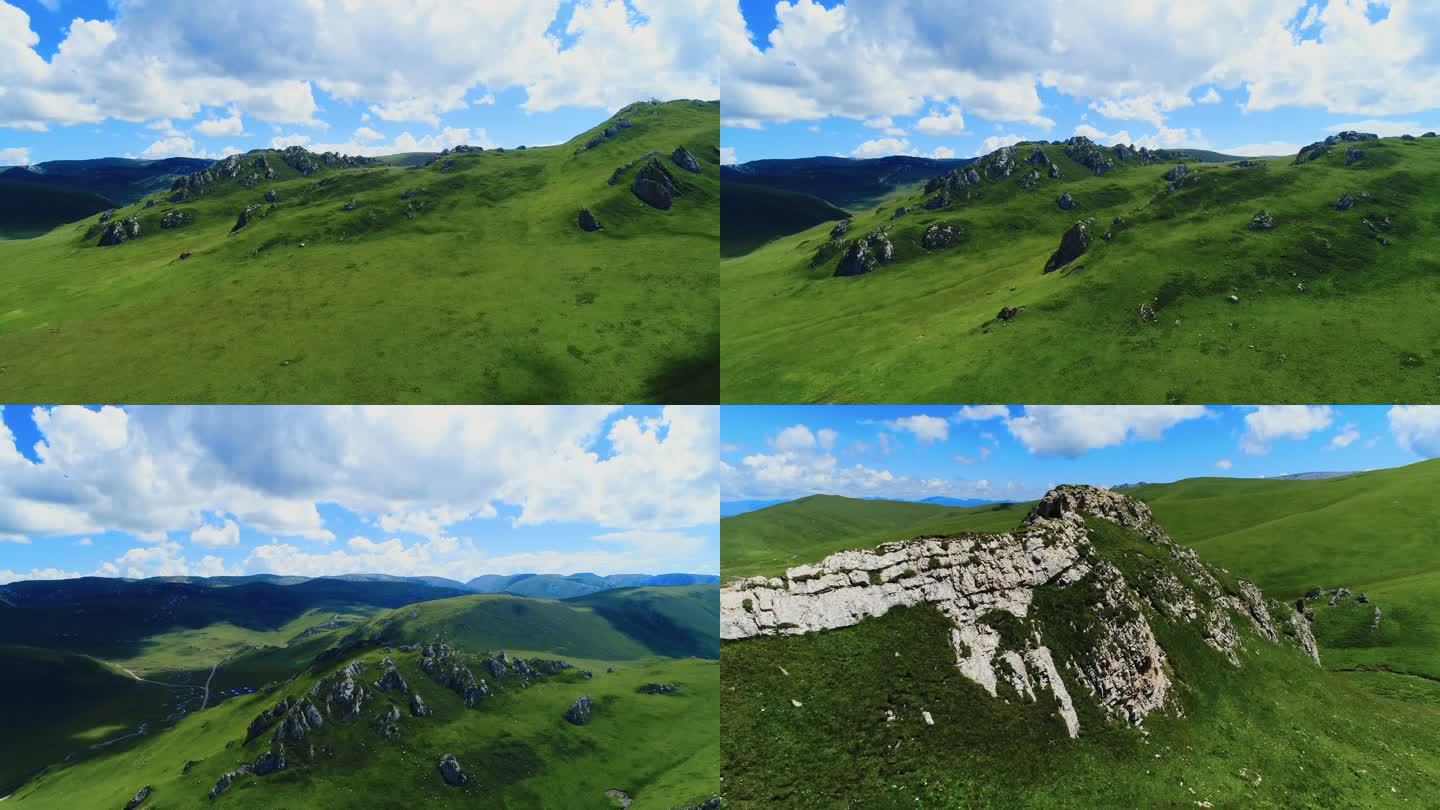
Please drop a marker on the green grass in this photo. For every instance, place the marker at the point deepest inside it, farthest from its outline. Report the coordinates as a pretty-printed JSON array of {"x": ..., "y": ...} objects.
[
  {"x": 924, "y": 328},
  {"x": 490, "y": 293},
  {"x": 767, "y": 541},
  {"x": 752, "y": 215},
  {"x": 1275, "y": 732},
  {"x": 515, "y": 746},
  {"x": 57, "y": 704},
  {"x": 677, "y": 621}
]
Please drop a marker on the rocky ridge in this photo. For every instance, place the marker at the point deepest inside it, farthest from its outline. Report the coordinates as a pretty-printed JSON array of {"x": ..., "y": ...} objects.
[{"x": 987, "y": 586}]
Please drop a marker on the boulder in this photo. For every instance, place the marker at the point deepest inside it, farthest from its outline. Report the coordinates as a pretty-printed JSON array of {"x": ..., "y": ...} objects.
[
  {"x": 272, "y": 196},
  {"x": 864, "y": 255},
  {"x": 105, "y": 216},
  {"x": 351, "y": 206},
  {"x": 149, "y": 203},
  {"x": 1344, "y": 202},
  {"x": 1262, "y": 221},
  {"x": 1066, "y": 202},
  {"x": 1055, "y": 173},
  {"x": 120, "y": 230},
  {"x": 1147, "y": 311},
  {"x": 587, "y": 221},
  {"x": 1073, "y": 244},
  {"x": 1030, "y": 180},
  {"x": 388, "y": 722},
  {"x": 841, "y": 228},
  {"x": 1177, "y": 172},
  {"x": 184, "y": 254},
  {"x": 579, "y": 711},
  {"x": 682, "y": 158},
  {"x": 1008, "y": 313},
  {"x": 443, "y": 664},
  {"x": 655, "y": 186},
  {"x": 659, "y": 689},
  {"x": 940, "y": 235},
  {"x": 497, "y": 666},
  {"x": 900, "y": 212},
  {"x": 1351, "y": 135},
  {"x": 390, "y": 678},
  {"x": 451, "y": 772},
  {"x": 138, "y": 799},
  {"x": 246, "y": 217},
  {"x": 418, "y": 707},
  {"x": 271, "y": 761},
  {"x": 1407, "y": 137},
  {"x": 1245, "y": 164}
]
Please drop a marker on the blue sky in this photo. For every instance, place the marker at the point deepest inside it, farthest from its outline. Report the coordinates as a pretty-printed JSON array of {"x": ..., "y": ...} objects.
[
  {"x": 452, "y": 492},
  {"x": 869, "y": 78},
  {"x": 1015, "y": 453},
  {"x": 95, "y": 78}
]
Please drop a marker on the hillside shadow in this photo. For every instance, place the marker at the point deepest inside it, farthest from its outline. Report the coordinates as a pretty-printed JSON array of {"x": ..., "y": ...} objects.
[{"x": 692, "y": 380}]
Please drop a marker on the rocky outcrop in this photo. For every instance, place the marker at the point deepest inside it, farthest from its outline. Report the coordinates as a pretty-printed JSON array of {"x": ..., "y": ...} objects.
[
  {"x": 301, "y": 719},
  {"x": 1261, "y": 221},
  {"x": 1073, "y": 244},
  {"x": 655, "y": 186},
  {"x": 579, "y": 711},
  {"x": 658, "y": 689},
  {"x": 272, "y": 196},
  {"x": 120, "y": 230},
  {"x": 1321, "y": 148},
  {"x": 587, "y": 221},
  {"x": 681, "y": 157},
  {"x": 418, "y": 707},
  {"x": 1037, "y": 157},
  {"x": 387, "y": 723},
  {"x": 390, "y": 677},
  {"x": 940, "y": 235},
  {"x": 863, "y": 255},
  {"x": 1009, "y": 313},
  {"x": 245, "y": 218},
  {"x": 271, "y": 761},
  {"x": 265, "y": 719},
  {"x": 139, "y": 798},
  {"x": 451, "y": 772},
  {"x": 345, "y": 696},
  {"x": 987, "y": 585},
  {"x": 445, "y": 665},
  {"x": 1082, "y": 150},
  {"x": 1066, "y": 202},
  {"x": 175, "y": 219},
  {"x": 1352, "y": 155},
  {"x": 1344, "y": 202},
  {"x": 227, "y": 779},
  {"x": 900, "y": 212},
  {"x": 841, "y": 228},
  {"x": 1177, "y": 173}
]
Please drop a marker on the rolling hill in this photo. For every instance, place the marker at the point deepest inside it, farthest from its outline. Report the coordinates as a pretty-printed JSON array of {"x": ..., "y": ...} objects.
[
  {"x": 29, "y": 209},
  {"x": 842, "y": 182},
  {"x": 1184, "y": 292},
  {"x": 1098, "y": 619},
  {"x": 565, "y": 586},
  {"x": 752, "y": 215},
  {"x": 467, "y": 279}
]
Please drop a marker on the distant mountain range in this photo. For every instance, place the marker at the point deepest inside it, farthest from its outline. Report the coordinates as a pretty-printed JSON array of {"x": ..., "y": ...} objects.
[
  {"x": 35, "y": 199},
  {"x": 740, "y": 507},
  {"x": 843, "y": 182}
]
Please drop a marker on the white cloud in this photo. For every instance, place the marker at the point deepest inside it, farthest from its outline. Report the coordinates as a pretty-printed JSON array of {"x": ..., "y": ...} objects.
[
  {"x": 981, "y": 413},
  {"x": 173, "y": 146},
  {"x": 1345, "y": 437},
  {"x": 7, "y": 576},
  {"x": 795, "y": 437},
  {"x": 942, "y": 153},
  {"x": 882, "y": 147},
  {"x": 217, "y": 127},
  {"x": 1071, "y": 430},
  {"x": 15, "y": 156},
  {"x": 1416, "y": 428},
  {"x": 1268, "y": 148},
  {"x": 210, "y": 535},
  {"x": 1223, "y": 464},
  {"x": 879, "y": 122},
  {"x": 367, "y": 134},
  {"x": 1385, "y": 129},
  {"x": 293, "y": 139},
  {"x": 925, "y": 428},
  {"x": 1210, "y": 97},
  {"x": 727, "y": 156},
  {"x": 949, "y": 122},
  {"x": 826, "y": 437},
  {"x": 1267, "y": 423},
  {"x": 85, "y": 541},
  {"x": 994, "y": 142}
]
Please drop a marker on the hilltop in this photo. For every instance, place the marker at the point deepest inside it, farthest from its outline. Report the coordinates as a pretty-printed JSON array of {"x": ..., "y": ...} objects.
[
  {"x": 1084, "y": 658},
  {"x": 538, "y": 701},
  {"x": 1074, "y": 272},
  {"x": 582, "y": 271}
]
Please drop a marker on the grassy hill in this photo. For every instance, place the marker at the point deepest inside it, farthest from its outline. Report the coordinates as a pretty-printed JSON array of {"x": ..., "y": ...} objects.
[
  {"x": 752, "y": 215},
  {"x": 679, "y": 621},
  {"x": 30, "y": 209},
  {"x": 803, "y": 720},
  {"x": 558, "y": 586},
  {"x": 1371, "y": 532},
  {"x": 478, "y": 287},
  {"x": 1313, "y": 319},
  {"x": 767, "y": 541},
  {"x": 842, "y": 182},
  {"x": 59, "y": 704}
]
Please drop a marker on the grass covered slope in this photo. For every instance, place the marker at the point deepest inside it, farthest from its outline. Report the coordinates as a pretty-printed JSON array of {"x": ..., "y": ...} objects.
[
  {"x": 515, "y": 747},
  {"x": 478, "y": 287},
  {"x": 752, "y": 215},
  {"x": 1314, "y": 320},
  {"x": 679, "y": 621},
  {"x": 1371, "y": 532},
  {"x": 767, "y": 541},
  {"x": 839, "y": 717},
  {"x": 59, "y": 704}
]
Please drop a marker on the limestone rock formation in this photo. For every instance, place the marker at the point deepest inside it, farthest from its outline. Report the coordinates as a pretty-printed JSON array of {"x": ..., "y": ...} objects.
[
  {"x": 987, "y": 586},
  {"x": 246, "y": 217},
  {"x": 120, "y": 230},
  {"x": 863, "y": 255},
  {"x": 682, "y": 158},
  {"x": 388, "y": 722},
  {"x": 418, "y": 707},
  {"x": 1073, "y": 244},
  {"x": 139, "y": 798},
  {"x": 226, "y": 779},
  {"x": 1177, "y": 173},
  {"x": 1066, "y": 202},
  {"x": 451, "y": 772},
  {"x": 841, "y": 228},
  {"x": 447, "y": 667},
  {"x": 390, "y": 677},
  {"x": 271, "y": 761},
  {"x": 345, "y": 696},
  {"x": 1352, "y": 154},
  {"x": 940, "y": 235},
  {"x": 655, "y": 186},
  {"x": 1344, "y": 202},
  {"x": 659, "y": 689},
  {"x": 579, "y": 711},
  {"x": 175, "y": 219}
]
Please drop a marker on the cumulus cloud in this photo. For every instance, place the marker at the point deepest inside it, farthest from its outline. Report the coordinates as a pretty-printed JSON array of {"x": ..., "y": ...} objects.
[
  {"x": 727, "y": 156},
  {"x": 994, "y": 142},
  {"x": 981, "y": 413},
  {"x": 881, "y": 147},
  {"x": 1345, "y": 437},
  {"x": 211, "y": 535},
  {"x": 949, "y": 122},
  {"x": 216, "y": 127},
  {"x": 1268, "y": 423},
  {"x": 1416, "y": 428},
  {"x": 924, "y": 427},
  {"x": 15, "y": 156},
  {"x": 1223, "y": 464},
  {"x": 1071, "y": 430}
]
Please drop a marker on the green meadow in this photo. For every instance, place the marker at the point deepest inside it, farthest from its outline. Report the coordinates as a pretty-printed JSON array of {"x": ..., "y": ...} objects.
[
  {"x": 1328, "y": 302},
  {"x": 479, "y": 287}
]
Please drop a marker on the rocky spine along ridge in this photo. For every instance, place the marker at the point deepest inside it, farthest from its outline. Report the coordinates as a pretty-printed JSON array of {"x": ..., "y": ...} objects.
[{"x": 984, "y": 583}]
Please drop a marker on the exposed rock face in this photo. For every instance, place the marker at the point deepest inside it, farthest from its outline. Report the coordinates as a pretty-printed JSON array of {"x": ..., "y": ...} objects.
[
  {"x": 941, "y": 200},
  {"x": 1037, "y": 157},
  {"x": 266, "y": 718},
  {"x": 1030, "y": 180},
  {"x": 270, "y": 761},
  {"x": 1055, "y": 173},
  {"x": 1073, "y": 244},
  {"x": 1262, "y": 221},
  {"x": 1082, "y": 150},
  {"x": 106, "y": 216},
  {"x": 550, "y": 666},
  {"x": 1066, "y": 202},
  {"x": 682, "y": 158},
  {"x": 841, "y": 228},
  {"x": 579, "y": 711},
  {"x": 1344, "y": 202},
  {"x": 390, "y": 677},
  {"x": 587, "y": 221},
  {"x": 1352, "y": 154},
  {"x": 300, "y": 720},
  {"x": 175, "y": 219},
  {"x": 1321, "y": 148},
  {"x": 655, "y": 186},
  {"x": 246, "y": 217},
  {"x": 450, "y": 770},
  {"x": 497, "y": 666},
  {"x": 418, "y": 707},
  {"x": 139, "y": 798},
  {"x": 940, "y": 235},
  {"x": 864, "y": 255},
  {"x": 987, "y": 586},
  {"x": 120, "y": 230},
  {"x": 1177, "y": 173},
  {"x": 659, "y": 689},
  {"x": 346, "y": 696},
  {"x": 272, "y": 196},
  {"x": 445, "y": 665},
  {"x": 351, "y": 206},
  {"x": 226, "y": 779},
  {"x": 388, "y": 722}
]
